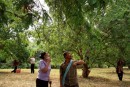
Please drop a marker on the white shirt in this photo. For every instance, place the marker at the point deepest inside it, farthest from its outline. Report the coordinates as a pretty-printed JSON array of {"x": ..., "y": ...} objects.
[
  {"x": 41, "y": 75},
  {"x": 32, "y": 60}
]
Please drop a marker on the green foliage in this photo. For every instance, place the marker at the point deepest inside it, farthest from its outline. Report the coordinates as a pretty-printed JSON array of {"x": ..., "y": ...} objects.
[
  {"x": 115, "y": 31},
  {"x": 98, "y": 26}
]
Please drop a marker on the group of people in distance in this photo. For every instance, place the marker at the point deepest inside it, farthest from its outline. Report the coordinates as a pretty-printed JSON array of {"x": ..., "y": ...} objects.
[
  {"x": 68, "y": 72},
  {"x": 16, "y": 64}
]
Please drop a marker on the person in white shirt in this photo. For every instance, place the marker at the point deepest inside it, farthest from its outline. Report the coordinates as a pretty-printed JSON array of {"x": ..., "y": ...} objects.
[
  {"x": 32, "y": 62},
  {"x": 43, "y": 77}
]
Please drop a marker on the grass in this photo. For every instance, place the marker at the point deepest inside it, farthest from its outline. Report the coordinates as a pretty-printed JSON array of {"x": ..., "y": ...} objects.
[{"x": 105, "y": 77}]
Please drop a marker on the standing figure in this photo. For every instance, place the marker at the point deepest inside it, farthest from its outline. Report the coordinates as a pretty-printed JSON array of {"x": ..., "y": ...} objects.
[
  {"x": 119, "y": 69},
  {"x": 15, "y": 64},
  {"x": 68, "y": 71},
  {"x": 44, "y": 70},
  {"x": 32, "y": 62}
]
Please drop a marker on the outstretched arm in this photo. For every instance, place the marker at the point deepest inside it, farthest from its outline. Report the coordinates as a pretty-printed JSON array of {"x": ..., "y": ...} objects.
[
  {"x": 79, "y": 62},
  {"x": 45, "y": 69}
]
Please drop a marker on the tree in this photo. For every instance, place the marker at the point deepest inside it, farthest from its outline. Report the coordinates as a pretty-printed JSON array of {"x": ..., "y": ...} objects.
[
  {"x": 115, "y": 31},
  {"x": 98, "y": 26}
]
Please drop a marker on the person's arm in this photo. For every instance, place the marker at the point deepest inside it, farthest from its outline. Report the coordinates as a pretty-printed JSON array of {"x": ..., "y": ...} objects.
[
  {"x": 45, "y": 69},
  {"x": 60, "y": 81},
  {"x": 79, "y": 62},
  {"x": 60, "y": 76}
]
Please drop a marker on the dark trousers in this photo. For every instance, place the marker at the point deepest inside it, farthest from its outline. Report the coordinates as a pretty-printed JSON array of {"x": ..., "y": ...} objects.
[
  {"x": 32, "y": 68},
  {"x": 15, "y": 68},
  {"x": 120, "y": 76},
  {"x": 41, "y": 83},
  {"x": 71, "y": 86}
]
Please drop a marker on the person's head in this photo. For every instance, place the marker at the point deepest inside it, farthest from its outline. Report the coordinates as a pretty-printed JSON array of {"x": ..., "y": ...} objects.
[
  {"x": 67, "y": 55},
  {"x": 120, "y": 61},
  {"x": 44, "y": 55}
]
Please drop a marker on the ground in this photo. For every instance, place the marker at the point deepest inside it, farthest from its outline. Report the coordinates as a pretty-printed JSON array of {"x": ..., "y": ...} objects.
[{"x": 99, "y": 77}]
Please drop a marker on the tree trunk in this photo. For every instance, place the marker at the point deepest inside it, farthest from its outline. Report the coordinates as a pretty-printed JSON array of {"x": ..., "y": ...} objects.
[{"x": 86, "y": 71}]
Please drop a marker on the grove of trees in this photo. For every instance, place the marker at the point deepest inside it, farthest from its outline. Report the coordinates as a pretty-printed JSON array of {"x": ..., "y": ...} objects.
[{"x": 97, "y": 31}]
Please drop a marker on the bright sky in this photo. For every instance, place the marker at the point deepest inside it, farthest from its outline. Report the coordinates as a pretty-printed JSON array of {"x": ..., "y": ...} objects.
[
  {"x": 44, "y": 4},
  {"x": 44, "y": 7}
]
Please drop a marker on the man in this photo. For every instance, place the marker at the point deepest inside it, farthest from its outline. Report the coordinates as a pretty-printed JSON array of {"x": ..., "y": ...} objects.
[
  {"x": 119, "y": 69},
  {"x": 71, "y": 76},
  {"x": 15, "y": 64},
  {"x": 32, "y": 62}
]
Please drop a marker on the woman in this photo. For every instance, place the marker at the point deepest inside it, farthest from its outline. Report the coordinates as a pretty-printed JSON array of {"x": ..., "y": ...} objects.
[{"x": 44, "y": 70}]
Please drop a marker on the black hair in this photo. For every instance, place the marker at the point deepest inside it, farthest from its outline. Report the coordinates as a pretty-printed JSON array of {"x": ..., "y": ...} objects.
[
  {"x": 42, "y": 55},
  {"x": 65, "y": 53}
]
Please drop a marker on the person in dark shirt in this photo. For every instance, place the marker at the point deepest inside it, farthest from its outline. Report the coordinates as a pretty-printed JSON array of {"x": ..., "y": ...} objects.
[
  {"x": 71, "y": 77},
  {"x": 119, "y": 69},
  {"x": 15, "y": 64}
]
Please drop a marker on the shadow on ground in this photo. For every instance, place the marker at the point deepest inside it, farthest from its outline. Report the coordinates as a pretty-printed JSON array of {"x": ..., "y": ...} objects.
[{"x": 104, "y": 81}]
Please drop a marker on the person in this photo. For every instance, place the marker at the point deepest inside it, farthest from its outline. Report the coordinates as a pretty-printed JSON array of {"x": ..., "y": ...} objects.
[
  {"x": 70, "y": 80},
  {"x": 15, "y": 64},
  {"x": 119, "y": 69},
  {"x": 32, "y": 62},
  {"x": 44, "y": 70}
]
